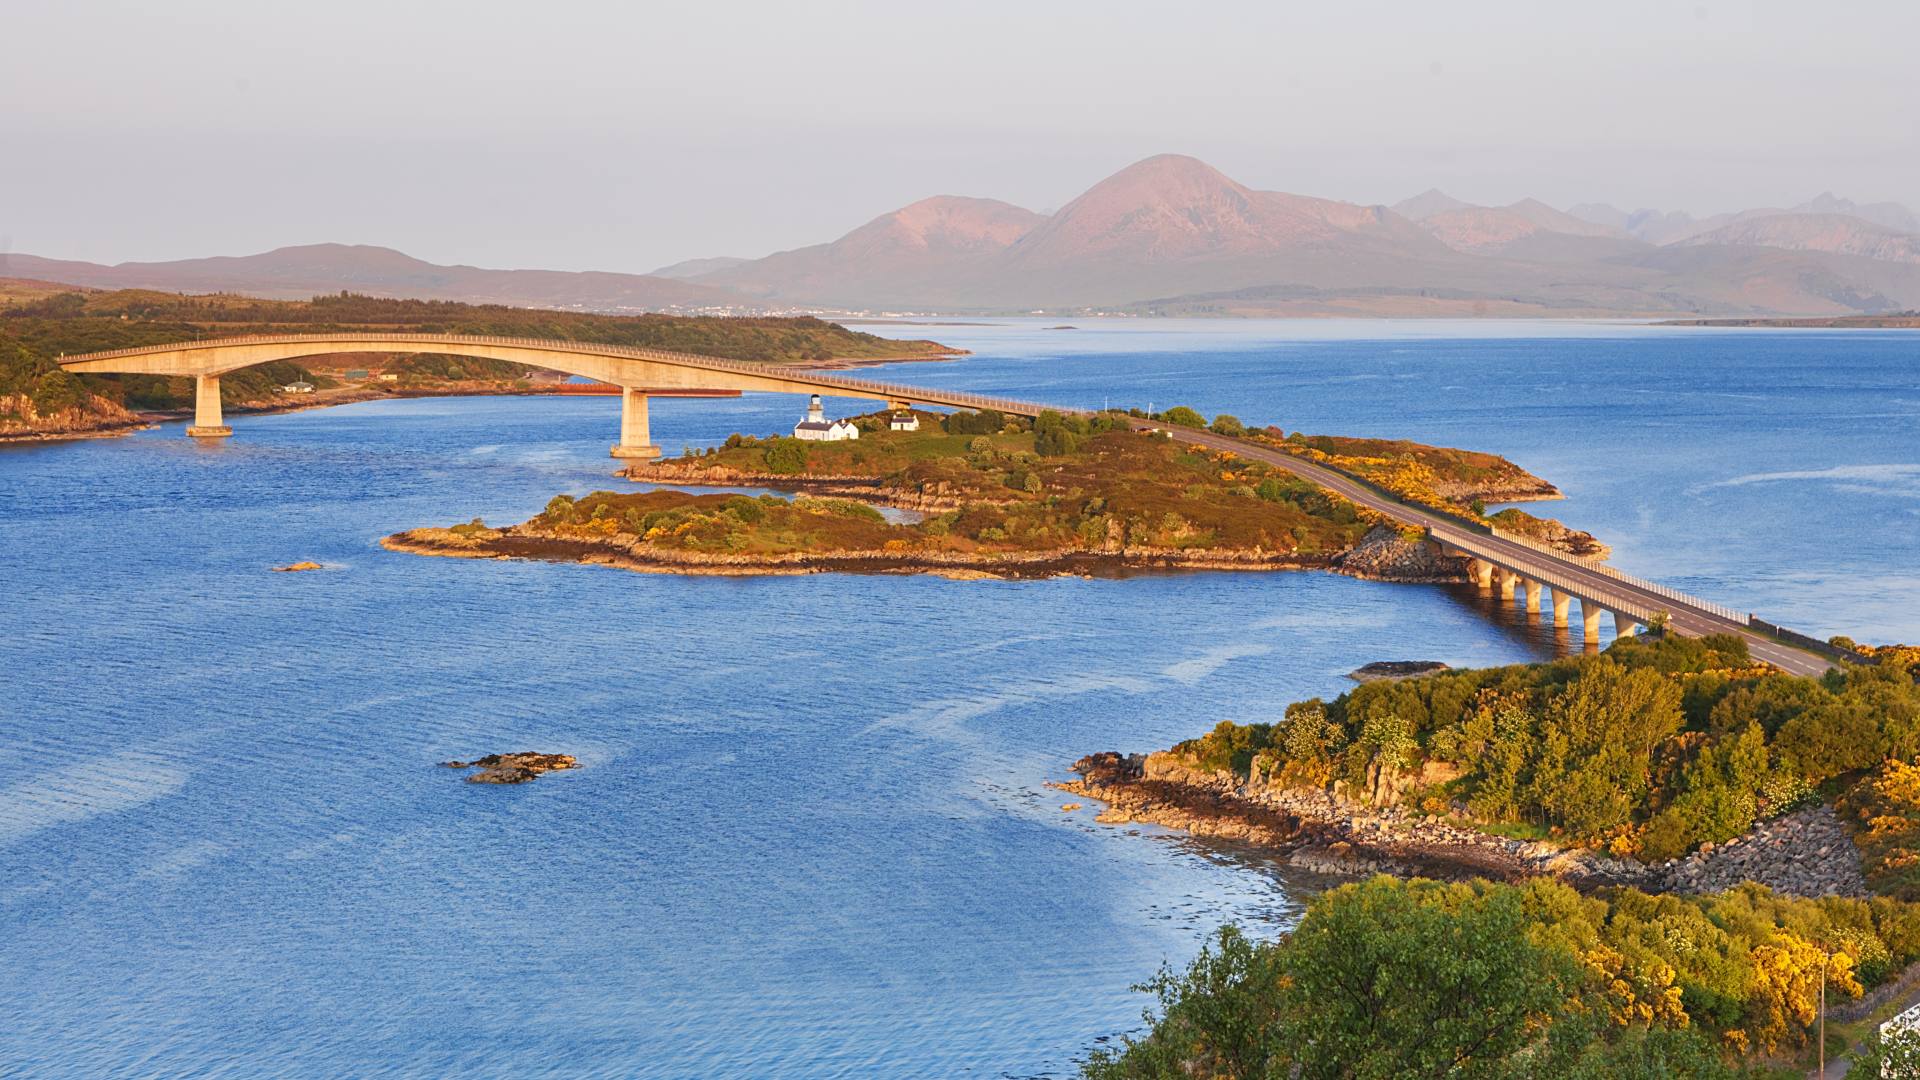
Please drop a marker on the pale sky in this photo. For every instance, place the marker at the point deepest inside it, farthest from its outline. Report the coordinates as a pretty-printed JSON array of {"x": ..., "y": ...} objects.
[{"x": 622, "y": 136}]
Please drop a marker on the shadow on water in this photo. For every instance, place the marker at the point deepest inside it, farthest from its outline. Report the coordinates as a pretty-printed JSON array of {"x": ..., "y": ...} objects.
[{"x": 1535, "y": 630}]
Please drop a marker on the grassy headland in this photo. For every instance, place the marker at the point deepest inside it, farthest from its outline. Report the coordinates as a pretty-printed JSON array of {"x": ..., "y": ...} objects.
[
  {"x": 39, "y": 400},
  {"x": 1652, "y": 750}
]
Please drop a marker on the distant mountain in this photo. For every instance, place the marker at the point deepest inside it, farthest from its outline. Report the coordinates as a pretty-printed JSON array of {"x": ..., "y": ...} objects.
[
  {"x": 1169, "y": 223},
  {"x": 1834, "y": 233},
  {"x": 1527, "y": 229},
  {"x": 690, "y": 268},
  {"x": 1428, "y": 203},
  {"x": 1887, "y": 215},
  {"x": 293, "y": 273},
  {"x": 898, "y": 258},
  {"x": 1601, "y": 214},
  {"x": 1173, "y": 234}
]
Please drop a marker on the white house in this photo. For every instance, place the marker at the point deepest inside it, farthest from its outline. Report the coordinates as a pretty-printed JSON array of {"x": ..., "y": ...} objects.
[
  {"x": 903, "y": 421},
  {"x": 302, "y": 387},
  {"x": 818, "y": 428}
]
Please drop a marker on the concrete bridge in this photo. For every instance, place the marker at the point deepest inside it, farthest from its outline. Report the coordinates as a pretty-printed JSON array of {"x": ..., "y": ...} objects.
[
  {"x": 1519, "y": 566},
  {"x": 1513, "y": 565},
  {"x": 635, "y": 370}
]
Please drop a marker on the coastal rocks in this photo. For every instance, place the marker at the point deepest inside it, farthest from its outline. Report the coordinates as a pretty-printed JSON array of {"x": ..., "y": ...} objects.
[
  {"x": 1391, "y": 670},
  {"x": 1805, "y": 853},
  {"x": 95, "y": 417},
  {"x": 1558, "y": 536},
  {"x": 1320, "y": 831},
  {"x": 294, "y": 568},
  {"x": 1385, "y": 554},
  {"x": 513, "y": 768}
]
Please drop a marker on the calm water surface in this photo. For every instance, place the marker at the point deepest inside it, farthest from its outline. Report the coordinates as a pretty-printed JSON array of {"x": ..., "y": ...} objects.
[{"x": 811, "y": 836}]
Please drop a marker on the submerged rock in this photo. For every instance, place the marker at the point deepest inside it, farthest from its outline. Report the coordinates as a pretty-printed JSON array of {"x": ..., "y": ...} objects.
[
  {"x": 294, "y": 567},
  {"x": 513, "y": 768},
  {"x": 1395, "y": 669}
]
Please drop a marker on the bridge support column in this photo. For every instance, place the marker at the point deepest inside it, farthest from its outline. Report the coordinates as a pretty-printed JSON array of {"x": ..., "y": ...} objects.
[
  {"x": 635, "y": 439},
  {"x": 1561, "y": 602},
  {"x": 207, "y": 421},
  {"x": 1507, "y": 579},
  {"x": 1481, "y": 571},
  {"x": 1623, "y": 625},
  {"x": 1530, "y": 595},
  {"x": 1590, "y": 621}
]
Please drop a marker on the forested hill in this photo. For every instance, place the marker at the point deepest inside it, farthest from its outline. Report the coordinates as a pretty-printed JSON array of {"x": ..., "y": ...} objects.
[
  {"x": 77, "y": 322},
  {"x": 37, "y": 328}
]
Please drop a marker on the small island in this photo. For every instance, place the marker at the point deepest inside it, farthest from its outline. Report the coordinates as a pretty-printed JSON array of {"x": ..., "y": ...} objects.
[
  {"x": 1006, "y": 497},
  {"x": 516, "y": 768}
]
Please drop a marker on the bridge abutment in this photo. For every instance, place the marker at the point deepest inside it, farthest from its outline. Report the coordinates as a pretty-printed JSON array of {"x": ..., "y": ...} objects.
[
  {"x": 636, "y": 440},
  {"x": 208, "y": 423}
]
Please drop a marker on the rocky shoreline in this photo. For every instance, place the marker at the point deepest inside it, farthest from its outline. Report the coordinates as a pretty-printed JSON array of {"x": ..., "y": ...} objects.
[
  {"x": 531, "y": 542},
  {"x": 1806, "y": 853}
]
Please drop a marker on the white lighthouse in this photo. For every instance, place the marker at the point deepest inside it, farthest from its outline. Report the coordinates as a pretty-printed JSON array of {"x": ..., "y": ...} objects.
[{"x": 817, "y": 428}]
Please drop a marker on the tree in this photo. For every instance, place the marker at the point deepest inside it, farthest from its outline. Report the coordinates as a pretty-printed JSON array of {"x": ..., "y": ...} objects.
[
  {"x": 1054, "y": 435},
  {"x": 786, "y": 455},
  {"x": 1184, "y": 417},
  {"x": 1228, "y": 424},
  {"x": 57, "y": 391},
  {"x": 1418, "y": 979}
]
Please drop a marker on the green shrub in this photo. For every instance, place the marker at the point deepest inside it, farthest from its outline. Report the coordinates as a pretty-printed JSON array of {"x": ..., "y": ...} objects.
[
  {"x": 786, "y": 456},
  {"x": 1227, "y": 424}
]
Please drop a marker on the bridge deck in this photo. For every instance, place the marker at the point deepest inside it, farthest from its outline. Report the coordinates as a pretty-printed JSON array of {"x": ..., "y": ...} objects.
[{"x": 1615, "y": 591}]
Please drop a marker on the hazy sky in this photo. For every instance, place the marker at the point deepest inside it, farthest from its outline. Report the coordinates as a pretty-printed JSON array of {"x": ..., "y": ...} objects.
[{"x": 622, "y": 136}]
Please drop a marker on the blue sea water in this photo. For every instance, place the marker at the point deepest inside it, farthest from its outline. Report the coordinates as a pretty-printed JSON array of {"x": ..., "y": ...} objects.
[{"x": 810, "y": 837}]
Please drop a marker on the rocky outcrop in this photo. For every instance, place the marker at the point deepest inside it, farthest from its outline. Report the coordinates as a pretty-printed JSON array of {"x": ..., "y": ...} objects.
[
  {"x": 1386, "y": 554},
  {"x": 1381, "y": 670},
  {"x": 1803, "y": 854},
  {"x": 1322, "y": 832},
  {"x": 513, "y": 768},
  {"x": 632, "y": 553},
  {"x": 1561, "y": 538},
  {"x": 294, "y": 568},
  {"x": 97, "y": 418}
]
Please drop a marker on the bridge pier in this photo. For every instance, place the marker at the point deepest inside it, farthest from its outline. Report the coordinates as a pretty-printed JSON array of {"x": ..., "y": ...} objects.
[
  {"x": 1481, "y": 571},
  {"x": 1590, "y": 621},
  {"x": 1562, "y": 600},
  {"x": 636, "y": 441},
  {"x": 1507, "y": 579},
  {"x": 207, "y": 421},
  {"x": 1623, "y": 625},
  {"x": 1530, "y": 595}
]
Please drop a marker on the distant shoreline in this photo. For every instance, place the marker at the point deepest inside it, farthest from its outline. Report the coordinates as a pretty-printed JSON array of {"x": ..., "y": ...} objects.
[
  {"x": 1903, "y": 321},
  {"x": 353, "y": 395}
]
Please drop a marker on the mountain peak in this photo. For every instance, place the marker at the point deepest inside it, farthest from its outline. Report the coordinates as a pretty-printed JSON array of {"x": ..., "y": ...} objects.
[{"x": 1428, "y": 203}]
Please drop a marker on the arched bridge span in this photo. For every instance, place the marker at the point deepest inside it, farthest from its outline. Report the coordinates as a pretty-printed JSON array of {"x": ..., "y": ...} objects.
[{"x": 633, "y": 368}]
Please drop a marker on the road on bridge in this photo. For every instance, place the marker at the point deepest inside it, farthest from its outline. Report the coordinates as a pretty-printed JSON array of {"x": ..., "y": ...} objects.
[{"x": 1520, "y": 557}]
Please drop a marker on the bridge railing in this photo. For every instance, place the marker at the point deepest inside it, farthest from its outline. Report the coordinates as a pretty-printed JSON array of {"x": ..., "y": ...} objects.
[
  {"x": 902, "y": 391},
  {"x": 1598, "y": 565}
]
